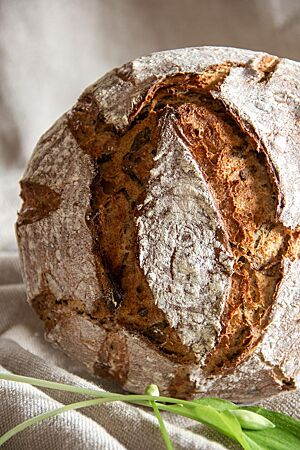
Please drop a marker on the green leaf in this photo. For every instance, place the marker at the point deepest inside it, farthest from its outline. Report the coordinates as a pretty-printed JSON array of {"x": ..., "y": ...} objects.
[
  {"x": 252, "y": 444},
  {"x": 285, "y": 435},
  {"x": 218, "y": 419},
  {"x": 250, "y": 420},
  {"x": 222, "y": 421},
  {"x": 235, "y": 428},
  {"x": 217, "y": 403}
]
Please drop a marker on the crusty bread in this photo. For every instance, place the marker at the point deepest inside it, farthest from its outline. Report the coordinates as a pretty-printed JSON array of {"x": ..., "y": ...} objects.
[{"x": 159, "y": 232}]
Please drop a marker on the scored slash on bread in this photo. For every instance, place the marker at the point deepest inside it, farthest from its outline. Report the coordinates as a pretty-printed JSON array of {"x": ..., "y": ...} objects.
[{"x": 159, "y": 232}]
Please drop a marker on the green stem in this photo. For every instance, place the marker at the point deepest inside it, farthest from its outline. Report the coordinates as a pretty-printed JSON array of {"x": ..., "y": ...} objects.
[
  {"x": 34, "y": 420},
  {"x": 83, "y": 404},
  {"x": 162, "y": 426},
  {"x": 54, "y": 385},
  {"x": 92, "y": 392},
  {"x": 72, "y": 406},
  {"x": 182, "y": 407}
]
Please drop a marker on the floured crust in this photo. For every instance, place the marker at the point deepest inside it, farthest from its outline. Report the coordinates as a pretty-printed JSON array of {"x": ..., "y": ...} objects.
[
  {"x": 271, "y": 107},
  {"x": 186, "y": 264},
  {"x": 128, "y": 245},
  {"x": 122, "y": 89},
  {"x": 61, "y": 261}
]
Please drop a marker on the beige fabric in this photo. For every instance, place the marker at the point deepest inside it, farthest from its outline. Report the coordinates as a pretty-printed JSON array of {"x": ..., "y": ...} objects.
[{"x": 49, "y": 52}]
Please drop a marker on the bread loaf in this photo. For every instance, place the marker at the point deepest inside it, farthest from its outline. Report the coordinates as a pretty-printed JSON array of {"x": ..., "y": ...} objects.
[{"x": 159, "y": 231}]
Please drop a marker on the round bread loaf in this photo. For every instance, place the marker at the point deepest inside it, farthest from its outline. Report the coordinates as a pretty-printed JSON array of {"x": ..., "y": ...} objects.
[{"x": 159, "y": 231}]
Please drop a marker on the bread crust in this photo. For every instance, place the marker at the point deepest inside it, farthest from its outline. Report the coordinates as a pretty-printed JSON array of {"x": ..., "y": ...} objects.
[
  {"x": 176, "y": 270},
  {"x": 184, "y": 253}
]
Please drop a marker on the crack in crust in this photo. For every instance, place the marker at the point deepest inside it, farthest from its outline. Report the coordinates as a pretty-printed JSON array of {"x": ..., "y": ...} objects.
[
  {"x": 287, "y": 383},
  {"x": 265, "y": 68},
  {"x": 38, "y": 202},
  {"x": 113, "y": 358},
  {"x": 123, "y": 167},
  {"x": 246, "y": 196}
]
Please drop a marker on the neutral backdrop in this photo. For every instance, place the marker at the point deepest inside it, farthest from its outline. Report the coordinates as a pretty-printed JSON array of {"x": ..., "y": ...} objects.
[{"x": 51, "y": 50}]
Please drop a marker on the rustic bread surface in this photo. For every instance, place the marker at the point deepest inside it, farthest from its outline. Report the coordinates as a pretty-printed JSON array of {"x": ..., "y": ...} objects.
[{"x": 159, "y": 232}]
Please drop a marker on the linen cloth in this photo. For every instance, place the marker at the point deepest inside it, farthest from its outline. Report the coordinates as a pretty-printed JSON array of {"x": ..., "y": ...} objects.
[{"x": 49, "y": 52}]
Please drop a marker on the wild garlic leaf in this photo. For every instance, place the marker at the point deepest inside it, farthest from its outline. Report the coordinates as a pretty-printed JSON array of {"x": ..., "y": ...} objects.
[
  {"x": 285, "y": 435},
  {"x": 236, "y": 428},
  {"x": 207, "y": 415},
  {"x": 252, "y": 444},
  {"x": 272, "y": 440},
  {"x": 249, "y": 420},
  {"x": 223, "y": 421},
  {"x": 217, "y": 403},
  {"x": 218, "y": 419}
]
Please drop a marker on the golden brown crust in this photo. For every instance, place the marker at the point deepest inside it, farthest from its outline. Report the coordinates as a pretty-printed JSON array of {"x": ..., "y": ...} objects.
[
  {"x": 86, "y": 192},
  {"x": 123, "y": 166},
  {"x": 244, "y": 191},
  {"x": 246, "y": 195}
]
